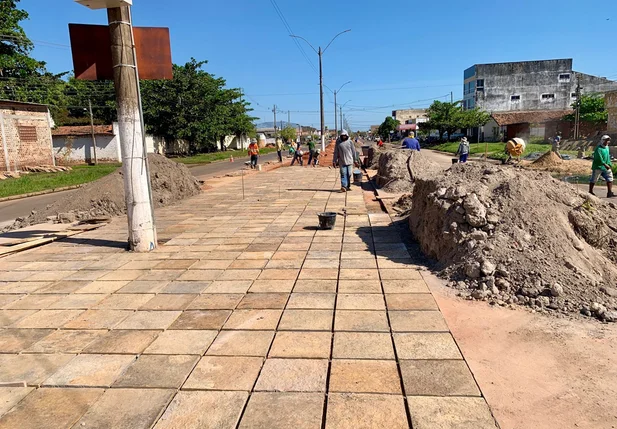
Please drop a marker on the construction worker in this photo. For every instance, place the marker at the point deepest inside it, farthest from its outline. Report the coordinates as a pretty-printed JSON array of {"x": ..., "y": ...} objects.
[
  {"x": 463, "y": 150},
  {"x": 602, "y": 166},
  {"x": 557, "y": 144},
  {"x": 279, "y": 148},
  {"x": 345, "y": 157},
  {"x": 312, "y": 154},
  {"x": 411, "y": 142},
  {"x": 254, "y": 153}
]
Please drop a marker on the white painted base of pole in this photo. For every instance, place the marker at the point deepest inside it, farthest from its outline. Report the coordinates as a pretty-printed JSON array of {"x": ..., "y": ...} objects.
[{"x": 323, "y": 143}]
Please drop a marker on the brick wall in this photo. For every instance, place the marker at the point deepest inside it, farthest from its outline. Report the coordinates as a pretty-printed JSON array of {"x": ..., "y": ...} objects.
[{"x": 25, "y": 136}]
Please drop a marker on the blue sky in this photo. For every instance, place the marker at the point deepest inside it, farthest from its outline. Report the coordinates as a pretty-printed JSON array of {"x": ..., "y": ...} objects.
[{"x": 399, "y": 54}]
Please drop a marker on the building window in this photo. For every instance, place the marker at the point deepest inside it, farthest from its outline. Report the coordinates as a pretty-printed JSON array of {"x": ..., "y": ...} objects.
[
  {"x": 515, "y": 98},
  {"x": 564, "y": 77},
  {"x": 27, "y": 134},
  {"x": 480, "y": 84},
  {"x": 548, "y": 97},
  {"x": 574, "y": 95}
]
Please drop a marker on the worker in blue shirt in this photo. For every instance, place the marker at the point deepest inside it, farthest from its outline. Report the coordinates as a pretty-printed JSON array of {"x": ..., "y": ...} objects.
[{"x": 411, "y": 143}]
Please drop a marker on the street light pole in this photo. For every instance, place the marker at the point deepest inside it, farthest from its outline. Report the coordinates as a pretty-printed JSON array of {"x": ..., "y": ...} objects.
[
  {"x": 335, "y": 107},
  {"x": 320, "y": 53}
]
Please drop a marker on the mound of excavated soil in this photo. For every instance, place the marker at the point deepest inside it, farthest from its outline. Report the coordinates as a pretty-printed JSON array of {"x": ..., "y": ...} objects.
[
  {"x": 513, "y": 236},
  {"x": 397, "y": 166},
  {"x": 170, "y": 180},
  {"x": 548, "y": 160}
]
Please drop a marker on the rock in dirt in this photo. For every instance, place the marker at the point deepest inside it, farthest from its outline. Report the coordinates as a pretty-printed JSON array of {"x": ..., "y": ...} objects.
[
  {"x": 171, "y": 182},
  {"x": 536, "y": 244}
]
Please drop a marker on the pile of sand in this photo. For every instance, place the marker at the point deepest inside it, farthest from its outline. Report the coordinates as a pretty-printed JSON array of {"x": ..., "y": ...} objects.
[
  {"x": 170, "y": 180},
  {"x": 550, "y": 161},
  {"x": 397, "y": 167},
  {"x": 514, "y": 236}
]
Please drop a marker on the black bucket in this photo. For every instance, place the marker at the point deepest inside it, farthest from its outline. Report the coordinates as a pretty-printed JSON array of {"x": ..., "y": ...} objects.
[
  {"x": 454, "y": 160},
  {"x": 327, "y": 220},
  {"x": 357, "y": 176}
]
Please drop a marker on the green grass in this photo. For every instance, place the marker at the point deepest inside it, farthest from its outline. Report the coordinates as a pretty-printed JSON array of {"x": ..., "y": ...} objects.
[
  {"x": 496, "y": 150},
  {"x": 37, "y": 182},
  {"x": 207, "y": 158}
]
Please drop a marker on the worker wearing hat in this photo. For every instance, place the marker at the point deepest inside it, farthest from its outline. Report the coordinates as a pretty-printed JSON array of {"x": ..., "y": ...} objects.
[
  {"x": 254, "y": 153},
  {"x": 602, "y": 166},
  {"x": 463, "y": 150},
  {"x": 344, "y": 157}
]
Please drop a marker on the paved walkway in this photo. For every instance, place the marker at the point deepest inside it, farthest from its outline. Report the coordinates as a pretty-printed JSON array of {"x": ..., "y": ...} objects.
[{"x": 246, "y": 317}]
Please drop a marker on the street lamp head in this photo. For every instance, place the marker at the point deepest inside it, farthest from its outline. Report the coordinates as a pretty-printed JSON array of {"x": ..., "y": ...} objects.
[{"x": 104, "y": 4}]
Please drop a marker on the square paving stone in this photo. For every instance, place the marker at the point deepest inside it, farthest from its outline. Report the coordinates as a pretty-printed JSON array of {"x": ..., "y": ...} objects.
[
  {"x": 175, "y": 264},
  {"x": 361, "y": 321},
  {"x": 311, "y": 301},
  {"x": 293, "y": 375},
  {"x": 66, "y": 341},
  {"x": 78, "y": 301},
  {"x": 360, "y": 302},
  {"x": 248, "y": 264},
  {"x": 143, "y": 287},
  {"x": 364, "y": 376},
  {"x": 139, "y": 265},
  {"x": 306, "y": 320},
  {"x": 122, "y": 275},
  {"x": 418, "y": 321},
  {"x": 283, "y": 411},
  {"x": 91, "y": 371},
  {"x": 431, "y": 345},
  {"x": 9, "y": 317},
  {"x": 359, "y": 263},
  {"x": 199, "y": 275},
  {"x": 122, "y": 342},
  {"x": 297, "y": 344},
  {"x": 412, "y": 301},
  {"x": 285, "y": 264},
  {"x": 169, "y": 302},
  {"x": 263, "y": 301},
  {"x": 10, "y": 396},
  {"x": 103, "y": 286},
  {"x": 241, "y": 343},
  {"x": 229, "y": 286},
  {"x": 319, "y": 274},
  {"x": 255, "y": 255},
  {"x": 185, "y": 287},
  {"x": 50, "y": 409},
  {"x": 7, "y": 300},
  {"x": 450, "y": 413},
  {"x": 272, "y": 286},
  {"x": 359, "y": 274},
  {"x": 315, "y": 286},
  {"x": 366, "y": 412},
  {"x": 438, "y": 378},
  {"x": 158, "y": 275},
  {"x": 405, "y": 286},
  {"x": 97, "y": 319},
  {"x": 126, "y": 409},
  {"x": 212, "y": 264},
  {"x": 224, "y": 373},
  {"x": 279, "y": 274},
  {"x": 198, "y": 410},
  {"x": 34, "y": 302},
  {"x": 47, "y": 319},
  {"x": 157, "y": 371},
  {"x": 149, "y": 320},
  {"x": 31, "y": 369},
  {"x": 18, "y": 340},
  {"x": 216, "y": 301},
  {"x": 359, "y": 286},
  {"x": 400, "y": 274},
  {"x": 49, "y": 276},
  {"x": 230, "y": 274},
  {"x": 201, "y": 320},
  {"x": 320, "y": 263},
  {"x": 253, "y": 319},
  {"x": 182, "y": 342},
  {"x": 22, "y": 287},
  {"x": 362, "y": 345},
  {"x": 124, "y": 301}
]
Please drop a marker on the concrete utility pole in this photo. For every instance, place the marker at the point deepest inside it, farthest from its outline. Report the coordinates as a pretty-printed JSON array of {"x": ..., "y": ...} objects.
[
  {"x": 320, "y": 53},
  {"x": 92, "y": 131},
  {"x": 138, "y": 195},
  {"x": 274, "y": 111},
  {"x": 335, "y": 109}
]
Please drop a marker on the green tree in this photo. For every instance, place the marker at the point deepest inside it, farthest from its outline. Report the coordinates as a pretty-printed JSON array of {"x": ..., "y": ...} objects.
[
  {"x": 388, "y": 125},
  {"x": 289, "y": 134},
  {"x": 450, "y": 117},
  {"x": 472, "y": 118},
  {"x": 593, "y": 109}
]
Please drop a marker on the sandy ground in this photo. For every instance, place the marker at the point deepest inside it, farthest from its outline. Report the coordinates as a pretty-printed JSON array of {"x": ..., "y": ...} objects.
[{"x": 536, "y": 372}]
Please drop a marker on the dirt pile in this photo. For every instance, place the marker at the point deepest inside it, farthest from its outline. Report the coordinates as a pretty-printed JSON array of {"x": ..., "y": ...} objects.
[
  {"x": 512, "y": 236},
  {"x": 396, "y": 168},
  {"x": 548, "y": 160},
  {"x": 170, "y": 180}
]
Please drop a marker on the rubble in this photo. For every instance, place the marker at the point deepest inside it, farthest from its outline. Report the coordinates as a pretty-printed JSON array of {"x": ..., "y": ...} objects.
[
  {"x": 393, "y": 173},
  {"x": 511, "y": 236}
]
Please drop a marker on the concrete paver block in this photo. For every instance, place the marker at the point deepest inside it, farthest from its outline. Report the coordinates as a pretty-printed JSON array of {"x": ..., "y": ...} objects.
[
  {"x": 31, "y": 369},
  {"x": 319, "y": 274},
  {"x": 169, "y": 302},
  {"x": 272, "y": 286},
  {"x": 253, "y": 319},
  {"x": 122, "y": 342},
  {"x": 103, "y": 286},
  {"x": 97, "y": 319},
  {"x": 47, "y": 318},
  {"x": 50, "y": 408},
  {"x": 9, "y": 317},
  {"x": 433, "y": 345},
  {"x": 450, "y": 413},
  {"x": 185, "y": 287},
  {"x": 198, "y": 410},
  {"x": 123, "y": 301},
  {"x": 297, "y": 344},
  {"x": 149, "y": 320},
  {"x": 91, "y": 371},
  {"x": 189, "y": 342},
  {"x": 359, "y": 286},
  {"x": 413, "y": 301},
  {"x": 279, "y": 274},
  {"x": 400, "y": 274},
  {"x": 361, "y": 321},
  {"x": 66, "y": 341},
  {"x": 315, "y": 286},
  {"x": 365, "y": 376},
  {"x": 293, "y": 375},
  {"x": 405, "y": 286},
  {"x": 306, "y": 320},
  {"x": 438, "y": 378},
  {"x": 417, "y": 321},
  {"x": 311, "y": 301},
  {"x": 18, "y": 340},
  {"x": 126, "y": 409},
  {"x": 263, "y": 301},
  {"x": 241, "y": 343},
  {"x": 216, "y": 301},
  {"x": 360, "y": 302},
  {"x": 157, "y": 371},
  {"x": 362, "y": 345},
  {"x": 224, "y": 373},
  {"x": 10, "y": 396},
  {"x": 229, "y": 286},
  {"x": 366, "y": 412},
  {"x": 267, "y": 410},
  {"x": 33, "y": 302}
]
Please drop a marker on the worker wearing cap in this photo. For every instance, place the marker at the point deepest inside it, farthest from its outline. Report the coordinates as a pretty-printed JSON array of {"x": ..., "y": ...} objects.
[
  {"x": 254, "y": 153},
  {"x": 344, "y": 157},
  {"x": 463, "y": 150},
  {"x": 602, "y": 166},
  {"x": 279, "y": 148},
  {"x": 411, "y": 142}
]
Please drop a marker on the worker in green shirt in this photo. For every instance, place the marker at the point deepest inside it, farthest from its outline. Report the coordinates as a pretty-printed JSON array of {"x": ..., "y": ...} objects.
[
  {"x": 602, "y": 166},
  {"x": 311, "y": 146}
]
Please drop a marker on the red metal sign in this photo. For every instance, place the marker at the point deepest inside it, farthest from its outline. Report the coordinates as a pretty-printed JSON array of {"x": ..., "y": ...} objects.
[{"x": 91, "y": 48}]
